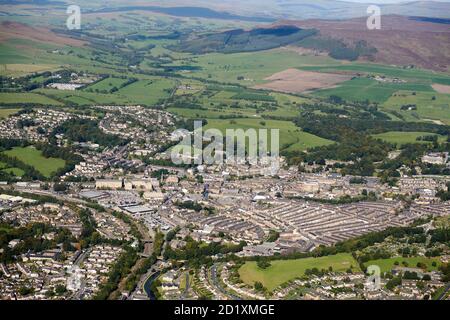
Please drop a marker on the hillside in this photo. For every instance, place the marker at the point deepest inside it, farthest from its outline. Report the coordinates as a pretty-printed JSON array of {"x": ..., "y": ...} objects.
[
  {"x": 309, "y": 9},
  {"x": 240, "y": 40},
  {"x": 402, "y": 40}
]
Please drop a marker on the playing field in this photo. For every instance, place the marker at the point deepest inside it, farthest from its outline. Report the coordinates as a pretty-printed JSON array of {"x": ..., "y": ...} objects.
[
  {"x": 387, "y": 265},
  {"x": 400, "y": 138},
  {"x": 291, "y": 137},
  {"x": 282, "y": 271},
  {"x": 34, "y": 158}
]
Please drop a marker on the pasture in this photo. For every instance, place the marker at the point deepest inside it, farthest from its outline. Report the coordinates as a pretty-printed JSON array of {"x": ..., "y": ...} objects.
[
  {"x": 362, "y": 89},
  {"x": 401, "y": 137},
  {"x": 26, "y": 97},
  {"x": 291, "y": 137},
  {"x": 430, "y": 106}
]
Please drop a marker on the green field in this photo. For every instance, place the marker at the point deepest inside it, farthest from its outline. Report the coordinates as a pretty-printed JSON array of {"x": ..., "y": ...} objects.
[
  {"x": 34, "y": 158},
  {"x": 282, "y": 271},
  {"x": 428, "y": 108},
  {"x": 14, "y": 171},
  {"x": 27, "y": 97},
  {"x": 148, "y": 92},
  {"x": 400, "y": 137},
  {"x": 107, "y": 84},
  {"x": 5, "y": 113},
  {"x": 11, "y": 170},
  {"x": 414, "y": 75},
  {"x": 291, "y": 137},
  {"x": 253, "y": 66},
  {"x": 361, "y": 89},
  {"x": 386, "y": 265}
]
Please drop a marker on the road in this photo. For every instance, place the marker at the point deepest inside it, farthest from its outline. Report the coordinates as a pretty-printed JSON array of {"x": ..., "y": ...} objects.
[
  {"x": 186, "y": 290},
  {"x": 219, "y": 287},
  {"x": 444, "y": 294}
]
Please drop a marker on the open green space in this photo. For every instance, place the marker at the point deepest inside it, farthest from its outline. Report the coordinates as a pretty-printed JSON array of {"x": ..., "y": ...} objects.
[
  {"x": 362, "y": 89},
  {"x": 107, "y": 84},
  {"x": 291, "y": 137},
  {"x": 33, "y": 157},
  {"x": 253, "y": 67},
  {"x": 282, "y": 271},
  {"x": 5, "y": 113},
  {"x": 148, "y": 92},
  {"x": 417, "y": 75},
  {"x": 26, "y": 97},
  {"x": 14, "y": 171},
  {"x": 386, "y": 265},
  {"x": 400, "y": 137},
  {"x": 429, "y": 106}
]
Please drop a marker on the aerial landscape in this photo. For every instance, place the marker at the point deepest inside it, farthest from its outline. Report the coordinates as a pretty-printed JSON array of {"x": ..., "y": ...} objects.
[{"x": 224, "y": 150}]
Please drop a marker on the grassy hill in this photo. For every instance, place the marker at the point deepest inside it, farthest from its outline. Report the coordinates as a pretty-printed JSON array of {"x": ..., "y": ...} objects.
[
  {"x": 282, "y": 271},
  {"x": 240, "y": 40}
]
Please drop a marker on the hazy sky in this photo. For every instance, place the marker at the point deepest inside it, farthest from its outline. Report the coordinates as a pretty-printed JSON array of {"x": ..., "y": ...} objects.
[{"x": 389, "y": 1}]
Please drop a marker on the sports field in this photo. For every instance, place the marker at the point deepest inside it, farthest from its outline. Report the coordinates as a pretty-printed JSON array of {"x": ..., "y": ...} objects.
[
  {"x": 33, "y": 157},
  {"x": 282, "y": 271}
]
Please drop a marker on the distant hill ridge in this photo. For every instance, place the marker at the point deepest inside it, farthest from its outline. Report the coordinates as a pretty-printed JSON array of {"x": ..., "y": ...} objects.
[{"x": 240, "y": 40}]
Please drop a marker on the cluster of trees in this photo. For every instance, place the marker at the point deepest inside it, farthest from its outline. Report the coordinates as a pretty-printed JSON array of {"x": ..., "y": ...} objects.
[
  {"x": 48, "y": 151},
  {"x": 197, "y": 254},
  {"x": 192, "y": 205},
  {"x": 30, "y": 173},
  {"x": 158, "y": 242},
  {"x": 51, "y": 151},
  {"x": 240, "y": 40},
  {"x": 84, "y": 130},
  {"x": 444, "y": 195},
  {"x": 31, "y": 239},
  {"x": 119, "y": 271},
  {"x": 338, "y": 49}
]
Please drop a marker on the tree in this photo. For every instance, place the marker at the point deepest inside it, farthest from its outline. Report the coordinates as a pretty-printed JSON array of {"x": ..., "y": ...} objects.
[
  {"x": 60, "y": 289},
  {"x": 259, "y": 286},
  {"x": 60, "y": 187},
  {"x": 263, "y": 263}
]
